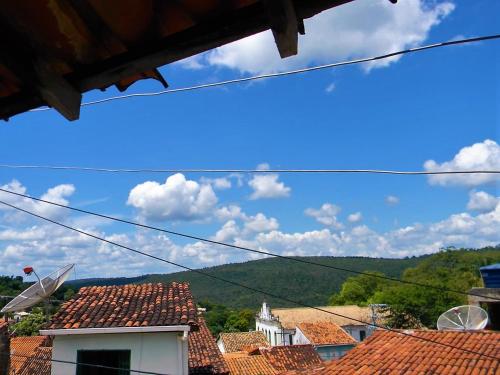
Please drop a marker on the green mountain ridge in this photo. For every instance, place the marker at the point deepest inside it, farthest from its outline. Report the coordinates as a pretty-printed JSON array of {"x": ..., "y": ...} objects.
[{"x": 281, "y": 277}]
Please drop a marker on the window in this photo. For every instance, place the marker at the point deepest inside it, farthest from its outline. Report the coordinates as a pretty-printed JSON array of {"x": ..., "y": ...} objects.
[
  {"x": 362, "y": 335},
  {"x": 290, "y": 338},
  {"x": 111, "y": 358}
]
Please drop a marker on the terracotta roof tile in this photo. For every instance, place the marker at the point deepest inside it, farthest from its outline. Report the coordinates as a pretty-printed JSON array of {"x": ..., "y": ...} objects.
[
  {"x": 23, "y": 347},
  {"x": 127, "y": 306},
  {"x": 39, "y": 363},
  {"x": 249, "y": 365},
  {"x": 204, "y": 354},
  {"x": 239, "y": 341},
  {"x": 387, "y": 352},
  {"x": 291, "y": 317},
  {"x": 291, "y": 357},
  {"x": 325, "y": 333}
]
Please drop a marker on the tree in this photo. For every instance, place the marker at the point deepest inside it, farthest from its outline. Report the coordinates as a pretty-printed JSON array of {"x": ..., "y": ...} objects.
[
  {"x": 358, "y": 290},
  {"x": 31, "y": 324}
]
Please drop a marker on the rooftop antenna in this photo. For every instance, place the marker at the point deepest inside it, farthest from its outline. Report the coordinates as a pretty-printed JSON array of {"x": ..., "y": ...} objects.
[
  {"x": 40, "y": 290},
  {"x": 463, "y": 318}
]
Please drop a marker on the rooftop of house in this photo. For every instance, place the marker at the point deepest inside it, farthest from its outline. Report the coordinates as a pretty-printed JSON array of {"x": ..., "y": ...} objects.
[
  {"x": 291, "y": 357},
  {"x": 22, "y": 348},
  {"x": 291, "y": 317},
  {"x": 387, "y": 351},
  {"x": 238, "y": 341},
  {"x": 204, "y": 354},
  {"x": 39, "y": 363},
  {"x": 144, "y": 305},
  {"x": 249, "y": 365},
  {"x": 325, "y": 333}
]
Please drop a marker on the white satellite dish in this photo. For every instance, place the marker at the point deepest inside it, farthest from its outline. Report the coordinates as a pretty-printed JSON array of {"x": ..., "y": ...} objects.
[
  {"x": 38, "y": 291},
  {"x": 463, "y": 318}
]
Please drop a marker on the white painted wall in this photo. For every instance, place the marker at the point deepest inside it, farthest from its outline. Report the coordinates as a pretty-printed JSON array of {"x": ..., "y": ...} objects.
[
  {"x": 355, "y": 331},
  {"x": 299, "y": 338},
  {"x": 163, "y": 352},
  {"x": 221, "y": 346}
]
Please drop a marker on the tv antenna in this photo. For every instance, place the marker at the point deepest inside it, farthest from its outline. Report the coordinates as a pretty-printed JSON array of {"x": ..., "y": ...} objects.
[
  {"x": 463, "y": 318},
  {"x": 40, "y": 290}
]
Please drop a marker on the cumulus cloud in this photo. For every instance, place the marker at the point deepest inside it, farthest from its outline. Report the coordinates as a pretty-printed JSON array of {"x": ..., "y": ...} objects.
[
  {"x": 176, "y": 199},
  {"x": 392, "y": 200},
  {"x": 330, "y": 88},
  {"x": 481, "y": 201},
  {"x": 261, "y": 223},
  {"x": 480, "y": 156},
  {"x": 358, "y": 29},
  {"x": 57, "y": 194},
  {"x": 268, "y": 186},
  {"x": 220, "y": 183},
  {"x": 355, "y": 217},
  {"x": 326, "y": 215}
]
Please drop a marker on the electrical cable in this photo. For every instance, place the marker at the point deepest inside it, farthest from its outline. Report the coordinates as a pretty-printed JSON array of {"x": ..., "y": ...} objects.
[
  {"x": 104, "y": 367},
  {"x": 286, "y": 299},
  {"x": 246, "y": 171},
  {"x": 289, "y": 72},
  {"x": 261, "y": 252}
]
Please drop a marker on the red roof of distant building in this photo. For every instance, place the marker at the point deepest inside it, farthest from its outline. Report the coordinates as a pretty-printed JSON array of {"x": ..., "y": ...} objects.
[
  {"x": 291, "y": 357},
  {"x": 325, "y": 333},
  {"x": 23, "y": 347}
]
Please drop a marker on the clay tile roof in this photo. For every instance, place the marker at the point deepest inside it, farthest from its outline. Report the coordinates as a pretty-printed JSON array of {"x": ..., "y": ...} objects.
[
  {"x": 387, "y": 352},
  {"x": 204, "y": 354},
  {"x": 38, "y": 363},
  {"x": 23, "y": 347},
  {"x": 290, "y": 318},
  {"x": 291, "y": 357},
  {"x": 249, "y": 365},
  {"x": 325, "y": 333},
  {"x": 127, "y": 306},
  {"x": 239, "y": 341}
]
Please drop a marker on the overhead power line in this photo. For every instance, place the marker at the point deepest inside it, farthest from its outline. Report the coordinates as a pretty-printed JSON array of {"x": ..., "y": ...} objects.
[
  {"x": 289, "y": 72},
  {"x": 261, "y": 252},
  {"x": 246, "y": 171},
  {"x": 251, "y": 288},
  {"x": 128, "y": 371}
]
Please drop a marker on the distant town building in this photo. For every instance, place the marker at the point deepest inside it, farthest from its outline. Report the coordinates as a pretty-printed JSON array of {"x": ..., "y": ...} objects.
[
  {"x": 488, "y": 296},
  {"x": 327, "y": 338},
  {"x": 279, "y": 325},
  {"x": 238, "y": 341}
]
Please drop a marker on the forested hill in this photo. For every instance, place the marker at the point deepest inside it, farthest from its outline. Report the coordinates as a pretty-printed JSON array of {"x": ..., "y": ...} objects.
[{"x": 297, "y": 281}]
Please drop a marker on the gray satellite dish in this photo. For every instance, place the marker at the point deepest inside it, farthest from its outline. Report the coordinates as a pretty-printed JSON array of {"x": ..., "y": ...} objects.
[
  {"x": 463, "y": 318},
  {"x": 39, "y": 290}
]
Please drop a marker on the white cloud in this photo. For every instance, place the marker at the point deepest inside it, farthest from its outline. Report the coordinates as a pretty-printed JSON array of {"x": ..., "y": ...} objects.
[
  {"x": 330, "y": 88},
  {"x": 480, "y": 156},
  {"x": 176, "y": 199},
  {"x": 355, "y": 217},
  {"x": 219, "y": 183},
  {"x": 268, "y": 186},
  {"x": 326, "y": 215},
  {"x": 392, "y": 200},
  {"x": 481, "y": 201},
  {"x": 260, "y": 223},
  {"x": 56, "y": 194},
  {"x": 232, "y": 211},
  {"x": 358, "y": 29}
]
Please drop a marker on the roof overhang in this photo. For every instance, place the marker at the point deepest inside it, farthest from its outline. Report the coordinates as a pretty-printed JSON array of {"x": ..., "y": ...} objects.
[{"x": 96, "y": 331}]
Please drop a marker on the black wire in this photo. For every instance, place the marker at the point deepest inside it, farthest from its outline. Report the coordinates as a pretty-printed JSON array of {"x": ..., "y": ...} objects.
[
  {"x": 82, "y": 364},
  {"x": 242, "y": 285},
  {"x": 213, "y": 242}
]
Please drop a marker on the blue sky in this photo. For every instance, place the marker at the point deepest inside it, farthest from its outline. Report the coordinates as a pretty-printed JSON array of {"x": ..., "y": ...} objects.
[{"x": 439, "y": 105}]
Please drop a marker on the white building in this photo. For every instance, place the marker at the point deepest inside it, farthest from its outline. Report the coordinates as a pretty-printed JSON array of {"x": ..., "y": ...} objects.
[
  {"x": 132, "y": 327},
  {"x": 279, "y": 325}
]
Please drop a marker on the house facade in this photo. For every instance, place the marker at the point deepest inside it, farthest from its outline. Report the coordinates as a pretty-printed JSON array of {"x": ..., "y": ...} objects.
[{"x": 132, "y": 327}]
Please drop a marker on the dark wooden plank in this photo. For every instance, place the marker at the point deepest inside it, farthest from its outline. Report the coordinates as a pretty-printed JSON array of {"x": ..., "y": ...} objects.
[{"x": 284, "y": 25}]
